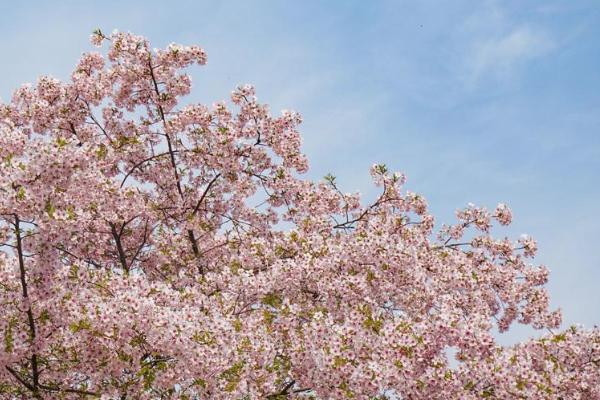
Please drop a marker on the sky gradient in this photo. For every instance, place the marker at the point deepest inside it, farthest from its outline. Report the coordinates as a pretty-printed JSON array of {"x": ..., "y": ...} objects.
[{"x": 476, "y": 101}]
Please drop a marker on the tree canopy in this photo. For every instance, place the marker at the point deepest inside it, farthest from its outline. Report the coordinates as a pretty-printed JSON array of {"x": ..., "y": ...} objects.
[{"x": 155, "y": 249}]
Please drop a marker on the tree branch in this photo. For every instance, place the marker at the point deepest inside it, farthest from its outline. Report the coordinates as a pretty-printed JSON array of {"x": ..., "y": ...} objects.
[
  {"x": 30, "y": 319},
  {"x": 117, "y": 237}
]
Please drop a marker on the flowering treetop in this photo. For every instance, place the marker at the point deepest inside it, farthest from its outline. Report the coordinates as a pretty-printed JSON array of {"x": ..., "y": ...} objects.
[{"x": 143, "y": 256}]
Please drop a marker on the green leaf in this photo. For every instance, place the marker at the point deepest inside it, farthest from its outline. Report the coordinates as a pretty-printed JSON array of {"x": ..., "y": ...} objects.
[
  {"x": 101, "y": 152},
  {"x": 61, "y": 142},
  {"x": 330, "y": 179},
  {"x": 9, "y": 338},
  {"x": 233, "y": 375},
  {"x": 50, "y": 209},
  {"x": 273, "y": 300},
  {"x": 21, "y": 193},
  {"x": 203, "y": 337},
  {"x": 83, "y": 324}
]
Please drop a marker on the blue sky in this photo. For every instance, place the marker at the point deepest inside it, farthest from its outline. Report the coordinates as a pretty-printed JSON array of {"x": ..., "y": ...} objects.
[{"x": 476, "y": 101}]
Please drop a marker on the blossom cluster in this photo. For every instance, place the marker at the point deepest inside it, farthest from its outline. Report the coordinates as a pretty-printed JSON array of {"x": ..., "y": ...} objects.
[{"x": 156, "y": 249}]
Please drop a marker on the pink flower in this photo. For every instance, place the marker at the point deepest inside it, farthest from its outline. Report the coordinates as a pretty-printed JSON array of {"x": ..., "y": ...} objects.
[
  {"x": 151, "y": 247},
  {"x": 503, "y": 214}
]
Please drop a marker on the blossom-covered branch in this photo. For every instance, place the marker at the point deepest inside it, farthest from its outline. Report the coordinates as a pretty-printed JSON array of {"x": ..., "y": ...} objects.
[{"x": 133, "y": 264}]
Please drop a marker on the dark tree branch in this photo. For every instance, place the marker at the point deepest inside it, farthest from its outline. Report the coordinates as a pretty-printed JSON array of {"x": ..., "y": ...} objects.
[
  {"x": 30, "y": 319},
  {"x": 117, "y": 237},
  {"x": 205, "y": 193},
  {"x": 139, "y": 164}
]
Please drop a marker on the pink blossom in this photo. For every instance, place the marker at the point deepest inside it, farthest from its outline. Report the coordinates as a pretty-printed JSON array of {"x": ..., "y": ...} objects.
[{"x": 151, "y": 248}]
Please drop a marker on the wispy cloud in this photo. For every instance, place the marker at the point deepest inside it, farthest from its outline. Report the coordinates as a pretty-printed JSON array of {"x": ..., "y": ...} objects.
[{"x": 501, "y": 56}]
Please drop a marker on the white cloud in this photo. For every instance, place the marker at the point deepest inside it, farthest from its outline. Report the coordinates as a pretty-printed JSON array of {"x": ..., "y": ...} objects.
[{"x": 500, "y": 56}]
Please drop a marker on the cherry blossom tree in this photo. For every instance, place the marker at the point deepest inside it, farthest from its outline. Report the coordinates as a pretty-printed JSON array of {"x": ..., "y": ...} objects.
[{"x": 154, "y": 249}]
